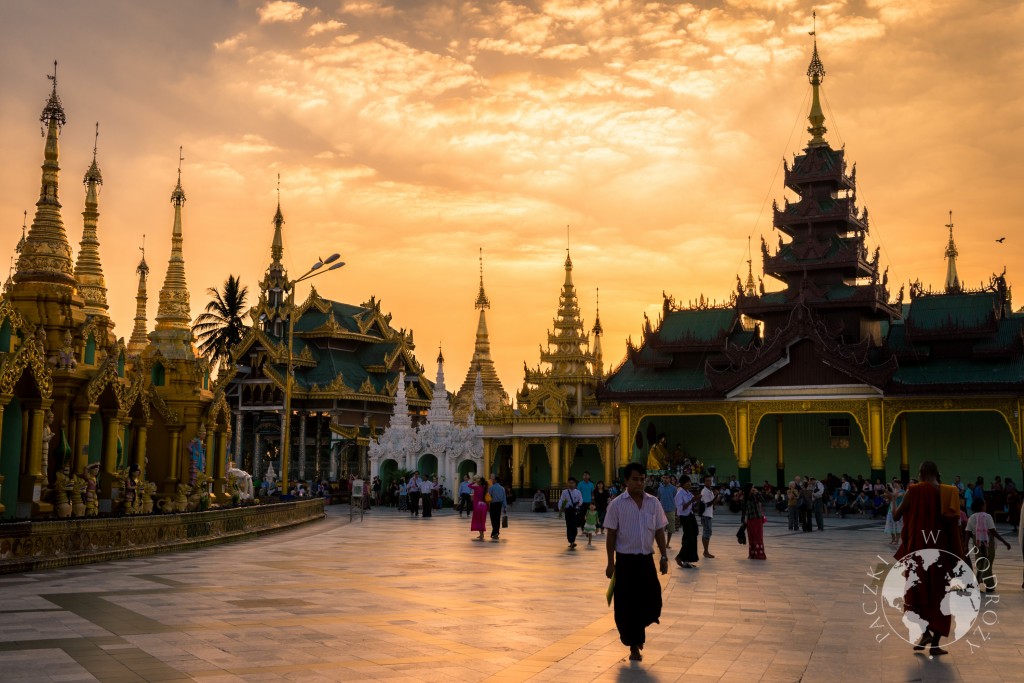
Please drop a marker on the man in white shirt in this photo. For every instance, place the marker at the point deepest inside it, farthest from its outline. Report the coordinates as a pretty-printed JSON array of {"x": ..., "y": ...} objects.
[
  {"x": 414, "y": 494},
  {"x": 634, "y": 522},
  {"x": 426, "y": 489},
  {"x": 709, "y": 498},
  {"x": 570, "y": 504}
]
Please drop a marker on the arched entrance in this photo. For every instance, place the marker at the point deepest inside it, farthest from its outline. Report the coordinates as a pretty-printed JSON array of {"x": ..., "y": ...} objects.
[
  {"x": 697, "y": 437},
  {"x": 971, "y": 444},
  {"x": 813, "y": 444},
  {"x": 502, "y": 463},
  {"x": 10, "y": 455},
  {"x": 388, "y": 473},
  {"x": 427, "y": 465},
  {"x": 466, "y": 467}
]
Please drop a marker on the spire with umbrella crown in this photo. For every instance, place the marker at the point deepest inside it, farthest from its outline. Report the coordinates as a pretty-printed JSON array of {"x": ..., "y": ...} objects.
[
  {"x": 88, "y": 269},
  {"x": 440, "y": 412},
  {"x": 952, "y": 279},
  {"x": 46, "y": 254},
  {"x": 816, "y": 74},
  {"x": 173, "y": 334},
  {"x": 138, "y": 340}
]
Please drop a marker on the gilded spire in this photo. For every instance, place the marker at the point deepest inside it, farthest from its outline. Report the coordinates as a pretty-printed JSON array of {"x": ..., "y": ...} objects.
[
  {"x": 952, "y": 280},
  {"x": 816, "y": 74},
  {"x": 749, "y": 289},
  {"x": 139, "y": 338},
  {"x": 480, "y": 366},
  {"x": 46, "y": 253},
  {"x": 598, "y": 331},
  {"x": 173, "y": 315},
  {"x": 88, "y": 269},
  {"x": 482, "y": 301},
  {"x": 277, "y": 246}
]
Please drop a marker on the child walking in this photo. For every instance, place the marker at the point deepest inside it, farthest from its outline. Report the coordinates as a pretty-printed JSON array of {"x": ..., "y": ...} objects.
[
  {"x": 590, "y": 523},
  {"x": 982, "y": 528}
]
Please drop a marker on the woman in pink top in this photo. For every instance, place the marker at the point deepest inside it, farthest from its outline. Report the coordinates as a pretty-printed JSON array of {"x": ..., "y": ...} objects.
[{"x": 479, "y": 521}]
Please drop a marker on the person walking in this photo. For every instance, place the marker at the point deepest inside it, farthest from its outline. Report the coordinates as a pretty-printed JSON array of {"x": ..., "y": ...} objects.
[
  {"x": 927, "y": 527},
  {"x": 634, "y": 523},
  {"x": 426, "y": 496},
  {"x": 818, "y": 502},
  {"x": 752, "y": 516},
  {"x": 667, "y": 497},
  {"x": 569, "y": 504},
  {"x": 478, "y": 521},
  {"x": 586, "y": 489},
  {"x": 792, "y": 511},
  {"x": 414, "y": 494},
  {"x": 708, "y": 498},
  {"x": 601, "y": 501},
  {"x": 403, "y": 495},
  {"x": 499, "y": 504},
  {"x": 465, "y": 497},
  {"x": 981, "y": 529},
  {"x": 684, "y": 512}
]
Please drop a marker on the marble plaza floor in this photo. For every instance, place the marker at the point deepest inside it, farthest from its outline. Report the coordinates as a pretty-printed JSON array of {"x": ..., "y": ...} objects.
[{"x": 398, "y": 598}]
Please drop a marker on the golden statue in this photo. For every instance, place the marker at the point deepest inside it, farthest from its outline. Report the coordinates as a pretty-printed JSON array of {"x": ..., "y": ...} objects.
[
  {"x": 657, "y": 459},
  {"x": 62, "y": 486}
]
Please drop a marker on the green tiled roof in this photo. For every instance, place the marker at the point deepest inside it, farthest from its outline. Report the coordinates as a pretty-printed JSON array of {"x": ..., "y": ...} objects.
[
  {"x": 962, "y": 371},
  {"x": 958, "y": 311},
  {"x": 632, "y": 378},
  {"x": 698, "y": 325},
  {"x": 343, "y": 314}
]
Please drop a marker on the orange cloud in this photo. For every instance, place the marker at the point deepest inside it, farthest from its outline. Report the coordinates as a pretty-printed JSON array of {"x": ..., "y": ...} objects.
[{"x": 285, "y": 11}]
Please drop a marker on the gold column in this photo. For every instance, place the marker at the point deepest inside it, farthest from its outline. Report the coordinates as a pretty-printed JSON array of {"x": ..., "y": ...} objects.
[
  {"x": 742, "y": 436},
  {"x": 111, "y": 428},
  {"x": 568, "y": 455},
  {"x": 211, "y": 442},
  {"x": 625, "y": 438},
  {"x": 30, "y": 485},
  {"x": 875, "y": 436},
  {"x": 607, "y": 453},
  {"x": 904, "y": 443},
  {"x": 174, "y": 460},
  {"x": 487, "y": 459},
  {"x": 555, "y": 456},
  {"x": 35, "y": 443},
  {"x": 517, "y": 461},
  {"x": 140, "y": 445},
  {"x": 80, "y": 457}
]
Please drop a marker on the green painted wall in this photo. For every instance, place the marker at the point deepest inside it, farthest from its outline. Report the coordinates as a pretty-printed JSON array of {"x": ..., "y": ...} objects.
[
  {"x": 10, "y": 455},
  {"x": 807, "y": 449},
  {"x": 588, "y": 459},
  {"x": 704, "y": 437},
  {"x": 539, "y": 467},
  {"x": 969, "y": 444}
]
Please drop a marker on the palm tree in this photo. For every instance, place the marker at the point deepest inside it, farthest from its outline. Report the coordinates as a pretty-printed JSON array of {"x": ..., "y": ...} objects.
[{"x": 221, "y": 327}]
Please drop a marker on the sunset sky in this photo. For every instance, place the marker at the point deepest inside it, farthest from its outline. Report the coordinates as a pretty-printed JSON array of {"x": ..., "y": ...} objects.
[{"x": 410, "y": 134}]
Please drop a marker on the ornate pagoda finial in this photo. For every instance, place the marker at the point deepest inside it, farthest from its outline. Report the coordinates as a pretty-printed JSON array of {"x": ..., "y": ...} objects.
[
  {"x": 482, "y": 301},
  {"x": 46, "y": 253},
  {"x": 749, "y": 288},
  {"x": 53, "y": 111},
  {"x": 816, "y": 75},
  {"x": 88, "y": 269},
  {"x": 93, "y": 175},
  {"x": 277, "y": 246},
  {"x": 24, "y": 232},
  {"x": 952, "y": 279},
  {"x": 178, "y": 195},
  {"x": 137, "y": 342},
  {"x": 598, "y": 330}
]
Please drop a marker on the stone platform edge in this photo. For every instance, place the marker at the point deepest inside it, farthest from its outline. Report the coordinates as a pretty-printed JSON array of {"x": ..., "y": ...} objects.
[{"x": 30, "y": 546}]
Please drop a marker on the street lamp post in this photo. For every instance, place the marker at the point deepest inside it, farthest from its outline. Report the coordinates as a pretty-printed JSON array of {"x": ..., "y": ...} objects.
[{"x": 290, "y": 371}]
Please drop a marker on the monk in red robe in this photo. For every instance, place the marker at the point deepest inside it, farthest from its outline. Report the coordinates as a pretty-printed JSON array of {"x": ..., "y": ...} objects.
[{"x": 929, "y": 524}]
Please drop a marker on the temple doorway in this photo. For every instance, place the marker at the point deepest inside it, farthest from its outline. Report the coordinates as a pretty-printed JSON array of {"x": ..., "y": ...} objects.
[{"x": 427, "y": 465}]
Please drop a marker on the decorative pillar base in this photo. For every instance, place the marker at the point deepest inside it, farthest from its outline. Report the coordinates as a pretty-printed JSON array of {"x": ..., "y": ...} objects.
[
  {"x": 743, "y": 475},
  {"x": 780, "y": 477},
  {"x": 878, "y": 474},
  {"x": 905, "y": 476}
]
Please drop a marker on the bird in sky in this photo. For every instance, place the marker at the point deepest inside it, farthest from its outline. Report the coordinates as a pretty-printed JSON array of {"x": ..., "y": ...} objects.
[{"x": 1001, "y": 240}]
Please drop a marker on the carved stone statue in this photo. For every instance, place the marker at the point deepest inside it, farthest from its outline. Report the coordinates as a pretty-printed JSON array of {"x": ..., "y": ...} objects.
[
  {"x": 78, "y": 486},
  {"x": 240, "y": 482},
  {"x": 92, "y": 503},
  {"x": 147, "y": 489},
  {"x": 62, "y": 487},
  {"x": 47, "y": 438},
  {"x": 66, "y": 356},
  {"x": 130, "y": 490}
]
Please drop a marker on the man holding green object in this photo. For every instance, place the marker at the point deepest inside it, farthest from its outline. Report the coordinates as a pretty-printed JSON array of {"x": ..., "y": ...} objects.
[{"x": 634, "y": 522}]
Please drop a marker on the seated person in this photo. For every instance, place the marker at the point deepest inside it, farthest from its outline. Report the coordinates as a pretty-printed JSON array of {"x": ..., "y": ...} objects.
[
  {"x": 540, "y": 502},
  {"x": 843, "y": 506},
  {"x": 862, "y": 503},
  {"x": 878, "y": 505}
]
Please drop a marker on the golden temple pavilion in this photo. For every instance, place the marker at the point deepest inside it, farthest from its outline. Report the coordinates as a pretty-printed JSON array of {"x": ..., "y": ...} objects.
[{"x": 832, "y": 373}]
